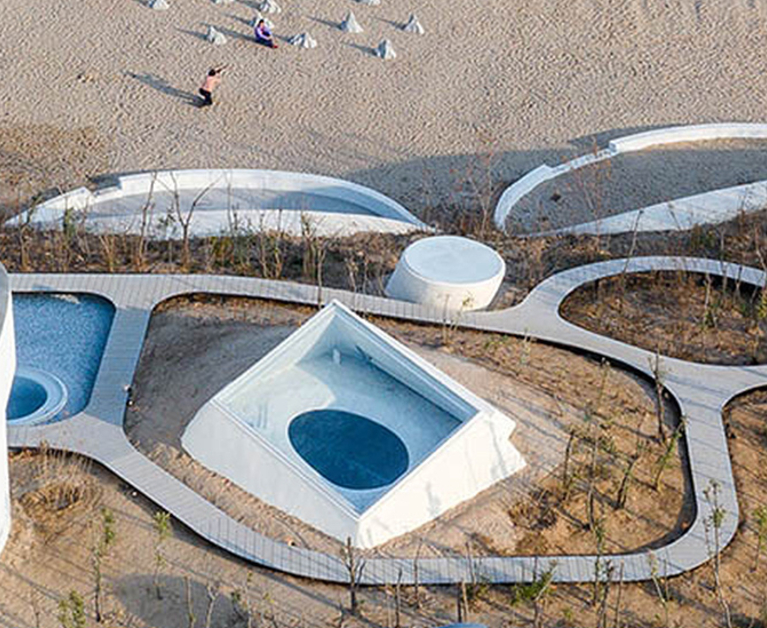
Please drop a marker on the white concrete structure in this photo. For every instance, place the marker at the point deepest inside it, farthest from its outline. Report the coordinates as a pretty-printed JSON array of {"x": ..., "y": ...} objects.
[
  {"x": 227, "y": 201},
  {"x": 304, "y": 40},
  {"x": 631, "y": 143},
  {"x": 447, "y": 272},
  {"x": 159, "y": 5},
  {"x": 350, "y": 24},
  {"x": 7, "y": 370},
  {"x": 413, "y": 25},
  {"x": 450, "y": 443},
  {"x": 385, "y": 50},
  {"x": 680, "y": 214}
]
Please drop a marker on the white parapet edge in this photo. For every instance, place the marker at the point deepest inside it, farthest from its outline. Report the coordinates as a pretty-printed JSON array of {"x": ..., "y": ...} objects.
[
  {"x": 628, "y": 144},
  {"x": 384, "y": 209},
  {"x": 474, "y": 456},
  {"x": 678, "y": 215},
  {"x": 7, "y": 370},
  {"x": 408, "y": 284}
]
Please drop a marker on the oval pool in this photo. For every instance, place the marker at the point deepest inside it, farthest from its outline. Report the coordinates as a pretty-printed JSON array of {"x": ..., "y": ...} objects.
[{"x": 347, "y": 449}]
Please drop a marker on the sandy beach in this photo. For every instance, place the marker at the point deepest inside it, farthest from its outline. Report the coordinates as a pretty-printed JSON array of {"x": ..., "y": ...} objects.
[{"x": 108, "y": 87}]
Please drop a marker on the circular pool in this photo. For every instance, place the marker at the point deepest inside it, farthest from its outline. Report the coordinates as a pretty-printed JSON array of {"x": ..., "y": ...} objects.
[
  {"x": 347, "y": 449},
  {"x": 36, "y": 396}
]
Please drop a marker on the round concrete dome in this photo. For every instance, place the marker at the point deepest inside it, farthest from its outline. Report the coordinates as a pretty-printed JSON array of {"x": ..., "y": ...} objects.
[{"x": 447, "y": 272}]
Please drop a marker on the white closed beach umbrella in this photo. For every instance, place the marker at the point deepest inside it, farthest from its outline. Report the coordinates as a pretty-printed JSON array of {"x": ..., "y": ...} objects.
[
  {"x": 350, "y": 24},
  {"x": 269, "y": 6},
  {"x": 413, "y": 25},
  {"x": 385, "y": 50},
  {"x": 304, "y": 40},
  {"x": 215, "y": 37}
]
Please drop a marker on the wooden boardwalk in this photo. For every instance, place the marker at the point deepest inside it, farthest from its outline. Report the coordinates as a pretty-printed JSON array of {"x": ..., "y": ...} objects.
[{"x": 701, "y": 391}]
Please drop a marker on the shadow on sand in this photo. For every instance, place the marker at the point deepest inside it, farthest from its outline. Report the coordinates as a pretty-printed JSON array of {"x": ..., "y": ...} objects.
[
  {"x": 163, "y": 86},
  {"x": 364, "y": 49},
  {"x": 329, "y": 23},
  {"x": 138, "y": 595}
]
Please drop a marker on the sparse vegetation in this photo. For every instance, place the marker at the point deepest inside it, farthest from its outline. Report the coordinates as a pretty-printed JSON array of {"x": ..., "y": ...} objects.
[
  {"x": 355, "y": 566},
  {"x": 602, "y": 464},
  {"x": 105, "y": 539},
  {"x": 760, "y": 518},
  {"x": 163, "y": 533},
  {"x": 536, "y": 593},
  {"x": 72, "y": 611}
]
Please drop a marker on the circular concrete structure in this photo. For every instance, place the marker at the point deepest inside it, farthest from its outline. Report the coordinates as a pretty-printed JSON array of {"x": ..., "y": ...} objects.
[
  {"x": 36, "y": 396},
  {"x": 447, "y": 272}
]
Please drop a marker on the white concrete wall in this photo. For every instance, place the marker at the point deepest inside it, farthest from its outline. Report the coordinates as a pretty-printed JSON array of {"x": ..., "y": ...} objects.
[
  {"x": 387, "y": 214},
  {"x": 438, "y": 283},
  {"x": 689, "y": 133},
  {"x": 472, "y": 459},
  {"x": 630, "y": 143},
  {"x": 475, "y": 457},
  {"x": 222, "y": 443},
  {"x": 7, "y": 370},
  {"x": 680, "y": 214},
  {"x": 406, "y": 285},
  {"x": 272, "y": 180}
]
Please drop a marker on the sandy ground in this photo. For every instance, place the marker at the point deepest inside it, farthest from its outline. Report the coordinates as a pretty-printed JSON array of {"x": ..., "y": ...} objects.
[
  {"x": 194, "y": 349},
  {"x": 637, "y": 180},
  {"x": 48, "y": 555},
  {"x": 677, "y": 314},
  {"x": 526, "y": 81}
]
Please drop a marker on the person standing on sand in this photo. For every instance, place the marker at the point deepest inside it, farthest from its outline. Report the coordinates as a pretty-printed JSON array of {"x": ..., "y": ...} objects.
[{"x": 209, "y": 85}]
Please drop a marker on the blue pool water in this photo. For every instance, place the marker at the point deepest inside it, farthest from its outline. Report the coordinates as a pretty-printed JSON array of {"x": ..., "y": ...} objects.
[
  {"x": 347, "y": 449},
  {"x": 26, "y": 397},
  {"x": 65, "y": 335}
]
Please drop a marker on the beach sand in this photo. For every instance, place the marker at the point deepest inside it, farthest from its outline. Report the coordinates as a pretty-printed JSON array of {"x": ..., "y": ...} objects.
[
  {"x": 636, "y": 180},
  {"x": 108, "y": 86}
]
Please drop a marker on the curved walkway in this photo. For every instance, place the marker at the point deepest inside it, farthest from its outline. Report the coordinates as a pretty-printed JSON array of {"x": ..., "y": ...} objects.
[
  {"x": 717, "y": 207},
  {"x": 701, "y": 391}
]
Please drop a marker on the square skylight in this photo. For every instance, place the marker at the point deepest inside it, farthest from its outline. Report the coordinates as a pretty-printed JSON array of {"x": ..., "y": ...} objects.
[{"x": 349, "y": 430}]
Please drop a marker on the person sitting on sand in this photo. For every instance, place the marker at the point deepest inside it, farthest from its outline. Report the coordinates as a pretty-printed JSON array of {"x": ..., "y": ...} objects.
[
  {"x": 264, "y": 35},
  {"x": 211, "y": 83}
]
